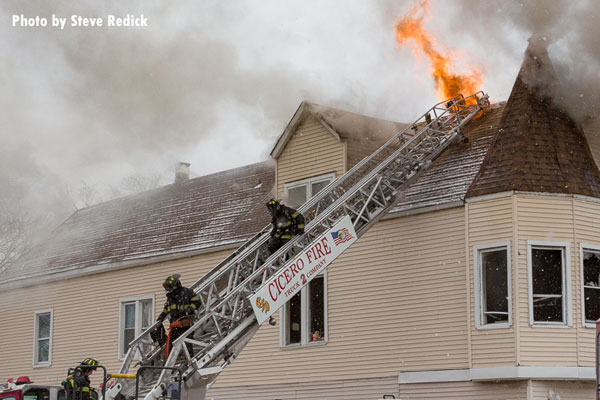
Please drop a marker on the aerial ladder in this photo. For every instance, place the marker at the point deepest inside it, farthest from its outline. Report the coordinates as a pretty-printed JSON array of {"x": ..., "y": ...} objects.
[{"x": 231, "y": 312}]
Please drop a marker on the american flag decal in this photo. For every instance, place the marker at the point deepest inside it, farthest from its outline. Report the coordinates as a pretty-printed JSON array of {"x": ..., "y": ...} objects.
[{"x": 341, "y": 236}]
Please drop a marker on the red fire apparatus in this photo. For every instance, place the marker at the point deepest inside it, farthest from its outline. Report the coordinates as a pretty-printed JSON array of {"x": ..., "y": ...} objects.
[{"x": 23, "y": 389}]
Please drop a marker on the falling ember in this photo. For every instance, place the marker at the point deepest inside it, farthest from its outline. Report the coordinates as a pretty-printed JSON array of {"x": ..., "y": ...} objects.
[{"x": 447, "y": 83}]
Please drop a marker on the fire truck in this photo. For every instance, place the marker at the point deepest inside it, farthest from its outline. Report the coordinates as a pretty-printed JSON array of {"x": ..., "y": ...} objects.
[{"x": 23, "y": 389}]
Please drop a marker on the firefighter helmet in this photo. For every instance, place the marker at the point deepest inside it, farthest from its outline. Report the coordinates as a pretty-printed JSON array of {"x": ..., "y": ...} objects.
[
  {"x": 172, "y": 282},
  {"x": 88, "y": 364},
  {"x": 273, "y": 203}
]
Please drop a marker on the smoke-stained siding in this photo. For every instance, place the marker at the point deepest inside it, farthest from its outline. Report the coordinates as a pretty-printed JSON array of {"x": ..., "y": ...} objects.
[
  {"x": 490, "y": 221},
  {"x": 396, "y": 302},
  {"x": 311, "y": 151}
]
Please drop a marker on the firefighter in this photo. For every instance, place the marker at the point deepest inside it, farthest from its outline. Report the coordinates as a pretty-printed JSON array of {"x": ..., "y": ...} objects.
[
  {"x": 77, "y": 385},
  {"x": 287, "y": 223},
  {"x": 180, "y": 307}
]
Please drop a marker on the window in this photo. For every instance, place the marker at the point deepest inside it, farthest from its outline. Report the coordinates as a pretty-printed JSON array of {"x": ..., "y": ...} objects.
[
  {"x": 42, "y": 352},
  {"x": 36, "y": 394},
  {"x": 304, "y": 316},
  {"x": 492, "y": 285},
  {"x": 590, "y": 264},
  {"x": 300, "y": 192},
  {"x": 137, "y": 315},
  {"x": 549, "y": 300}
]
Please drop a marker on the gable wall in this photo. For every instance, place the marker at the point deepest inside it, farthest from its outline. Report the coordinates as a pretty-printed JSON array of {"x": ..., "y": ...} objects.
[{"x": 311, "y": 151}]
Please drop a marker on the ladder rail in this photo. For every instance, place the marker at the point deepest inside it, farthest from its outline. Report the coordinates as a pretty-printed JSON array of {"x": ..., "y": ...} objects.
[{"x": 256, "y": 241}]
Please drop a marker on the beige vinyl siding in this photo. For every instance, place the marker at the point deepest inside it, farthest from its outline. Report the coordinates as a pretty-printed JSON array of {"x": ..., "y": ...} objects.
[
  {"x": 490, "y": 221},
  {"x": 587, "y": 215},
  {"x": 508, "y": 390},
  {"x": 311, "y": 151},
  {"x": 545, "y": 218},
  {"x": 356, "y": 389},
  {"x": 86, "y": 315},
  {"x": 581, "y": 390},
  {"x": 396, "y": 302},
  {"x": 359, "y": 149}
]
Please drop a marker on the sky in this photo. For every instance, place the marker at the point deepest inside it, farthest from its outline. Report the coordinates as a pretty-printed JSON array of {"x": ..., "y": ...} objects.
[{"x": 214, "y": 83}]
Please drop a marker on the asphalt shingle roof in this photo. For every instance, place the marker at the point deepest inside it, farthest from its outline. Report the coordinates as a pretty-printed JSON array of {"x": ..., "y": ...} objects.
[
  {"x": 538, "y": 147},
  {"x": 217, "y": 209}
]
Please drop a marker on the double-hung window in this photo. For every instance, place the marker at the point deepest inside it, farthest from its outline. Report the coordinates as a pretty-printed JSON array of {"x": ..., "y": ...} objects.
[
  {"x": 492, "y": 285},
  {"x": 549, "y": 283},
  {"x": 304, "y": 319},
  {"x": 42, "y": 344},
  {"x": 299, "y": 192},
  {"x": 136, "y": 315},
  {"x": 590, "y": 273}
]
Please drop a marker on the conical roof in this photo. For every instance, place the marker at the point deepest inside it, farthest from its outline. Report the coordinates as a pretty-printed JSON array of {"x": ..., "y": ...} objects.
[{"x": 538, "y": 147}]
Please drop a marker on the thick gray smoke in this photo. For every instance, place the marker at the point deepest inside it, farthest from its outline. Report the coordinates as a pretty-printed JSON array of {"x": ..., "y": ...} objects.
[
  {"x": 214, "y": 83},
  {"x": 571, "y": 32}
]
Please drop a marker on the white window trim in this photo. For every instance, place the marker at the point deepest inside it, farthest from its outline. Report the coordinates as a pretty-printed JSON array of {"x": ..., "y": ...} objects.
[
  {"x": 479, "y": 287},
  {"x": 566, "y": 271},
  {"x": 307, "y": 181},
  {"x": 582, "y": 248},
  {"x": 121, "y": 354},
  {"x": 48, "y": 363},
  {"x": 304, "y": 334}
]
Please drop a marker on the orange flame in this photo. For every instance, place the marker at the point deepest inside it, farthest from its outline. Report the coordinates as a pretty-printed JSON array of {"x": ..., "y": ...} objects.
[{"x": 447, "y": 83}]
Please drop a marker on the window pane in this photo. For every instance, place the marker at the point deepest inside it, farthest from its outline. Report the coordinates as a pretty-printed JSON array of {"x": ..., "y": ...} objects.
[
  {"x": 591, "y": 281},
  {"x": 316, "y": 304},
  {"x": 43, "y": 350},
  {"x": 293, "y": 331},
  {"x": 146, "y": 313},
  {"x": 128, "y": 336},
  {"x": 591, "y": 269},
  {"x": 547, "y": 309},
  {"x": 317, "y": 187},
  {"x": 36, "y": 394},
  {"x": 495, "y": 286},
  {"x": 546, "y": 271},
  {"x": 129, "y": 314},
  {"x": 43, "y": 325},
  {"x": 296, "y": 196},
  {"x": 592, "y": 304}
]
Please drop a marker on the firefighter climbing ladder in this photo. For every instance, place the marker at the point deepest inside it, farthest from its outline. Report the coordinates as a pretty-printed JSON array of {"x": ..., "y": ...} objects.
[{"x": 227, "y": 321}]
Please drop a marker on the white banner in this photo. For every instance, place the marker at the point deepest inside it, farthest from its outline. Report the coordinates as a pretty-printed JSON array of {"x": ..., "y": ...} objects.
[{"x": 302, "y": 269}]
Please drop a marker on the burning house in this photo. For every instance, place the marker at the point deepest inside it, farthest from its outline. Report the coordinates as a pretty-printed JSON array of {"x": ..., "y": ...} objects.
[{"x": 481, "y": 282}]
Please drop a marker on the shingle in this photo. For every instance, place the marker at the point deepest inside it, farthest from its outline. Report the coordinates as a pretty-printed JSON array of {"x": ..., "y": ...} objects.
[{"x": 452, "y": 172}]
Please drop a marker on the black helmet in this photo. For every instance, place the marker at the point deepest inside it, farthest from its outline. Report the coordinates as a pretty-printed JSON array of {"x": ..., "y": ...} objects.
[
  {"x": 273, "y": 203},
  {"x": 172, "y": 282},
  {"x": 88, "y": 364}
]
